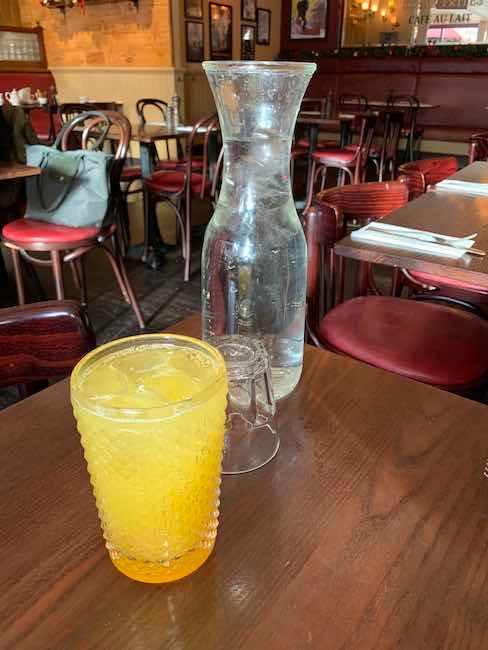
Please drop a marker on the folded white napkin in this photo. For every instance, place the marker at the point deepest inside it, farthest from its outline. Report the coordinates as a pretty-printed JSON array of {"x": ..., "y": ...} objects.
[
  {"x": 463, "y": 187},
  {"x": 411, "y": 239}
]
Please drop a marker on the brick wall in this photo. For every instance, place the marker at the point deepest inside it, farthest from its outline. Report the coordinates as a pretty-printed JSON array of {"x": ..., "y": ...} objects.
[{"x": 111, "y": 34}]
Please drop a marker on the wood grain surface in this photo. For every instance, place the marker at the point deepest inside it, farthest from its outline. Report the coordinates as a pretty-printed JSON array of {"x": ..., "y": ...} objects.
[
  {"x": 368, "y": 531},
  {"x": 446, "y": 213},
  {"x": 11, "y": 170}
]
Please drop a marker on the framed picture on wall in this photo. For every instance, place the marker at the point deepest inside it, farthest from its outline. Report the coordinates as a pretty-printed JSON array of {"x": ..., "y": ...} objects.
[
  {"x": 194, "y": 9},
  {"x": 248, "y": 42},
  {"x": 248, "y": 10},
  {"x": 264, "y": 27},
  {"x": 194, "y": 42},
  {"x": 220, "y": 18},
  {"x": 308, "y": 19}
]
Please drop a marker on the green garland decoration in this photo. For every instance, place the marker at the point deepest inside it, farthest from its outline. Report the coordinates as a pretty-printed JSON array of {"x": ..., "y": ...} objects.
[{"x": 419, "y": 51}]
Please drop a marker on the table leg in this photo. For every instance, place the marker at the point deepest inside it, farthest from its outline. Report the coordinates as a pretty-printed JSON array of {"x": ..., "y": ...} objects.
[
  {"x": 154, "y": 247},
  {"x": 345, "y": 137},
  {"x": 313, "y": 136},
  {"x": 362, "y": 279},
  {"x": 340, "y": 266}
]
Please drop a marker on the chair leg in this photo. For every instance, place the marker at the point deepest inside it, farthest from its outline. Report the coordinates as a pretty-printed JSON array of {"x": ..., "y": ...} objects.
[
  {"x": 19, "y": 279},
  {"x": 308, "y": 201},
  {"x": 187, "y": 235},
  {"x": 75, "y": 272},
  {"x": 120, "y": 273},
  {"x": 58, "y": 274}
]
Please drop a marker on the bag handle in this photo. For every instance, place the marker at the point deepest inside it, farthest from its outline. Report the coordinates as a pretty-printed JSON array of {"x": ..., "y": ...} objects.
[{"x": 60, "y": 199}]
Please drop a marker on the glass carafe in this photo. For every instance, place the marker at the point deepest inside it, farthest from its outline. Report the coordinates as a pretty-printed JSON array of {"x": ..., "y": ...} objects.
[{"x": 254, "y": 254}]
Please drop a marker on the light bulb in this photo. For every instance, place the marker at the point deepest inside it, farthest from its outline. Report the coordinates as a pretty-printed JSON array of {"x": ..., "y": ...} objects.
[
  {"x": 383, "y": 13},
  {"x": 374, "y": 7},
  {"x": 365, "y": 5},
  {"x": 393, "y": 20}
]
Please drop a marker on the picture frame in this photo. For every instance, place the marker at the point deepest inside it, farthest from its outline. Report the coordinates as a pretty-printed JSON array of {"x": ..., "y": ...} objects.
[
  {"x": 264, "y": 27},
  {"x": 194, "y": 42},
  {"x": 194, "y": 9},
  {"x": 248, "y": 42},
  {"x": 248, "y": 10},
  {"x": 220, "y": 23},
  {"x": 308, "y": 19}
]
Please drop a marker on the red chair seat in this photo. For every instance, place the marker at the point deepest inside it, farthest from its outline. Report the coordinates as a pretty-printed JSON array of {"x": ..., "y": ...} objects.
[
  {"x": 331, "y": 156},
  {"x": 30, "y": 231},
  {"x": 173, "y": 182},
  {"x": 130, "y": 174},
  {"x": 439, "y": 281},
  {"x": 434, "y": 344}
]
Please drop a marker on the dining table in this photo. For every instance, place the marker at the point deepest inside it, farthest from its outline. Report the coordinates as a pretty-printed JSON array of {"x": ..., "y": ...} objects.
[
  {"x": 458, "y": 214},
  {"x": 368, "y": 531},
  {"x": 152, "y": 252},
  {"x": 11, "y": 170}
]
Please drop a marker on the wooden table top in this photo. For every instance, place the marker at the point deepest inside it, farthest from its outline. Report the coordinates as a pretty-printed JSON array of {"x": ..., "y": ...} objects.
[
  {"x": 12, "y": 170},
  {"x": 307, "y": 117},
  {"x": 381, "y": 103},
  {"x": 441, "y": 212},
  {"x": 368, "y": 530}
]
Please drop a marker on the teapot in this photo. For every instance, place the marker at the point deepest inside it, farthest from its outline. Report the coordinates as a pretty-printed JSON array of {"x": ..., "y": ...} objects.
[
  {"x": 25, "y": 95},
  {"x": 13, "y": 97}
]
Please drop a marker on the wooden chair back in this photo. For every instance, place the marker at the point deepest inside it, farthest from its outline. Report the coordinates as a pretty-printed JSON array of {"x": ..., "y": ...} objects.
[
  {"x": 42, "y": 341},
  {"x": 148, "y": 106},
  {"x": 205, "y": 126},
  {"x": 409, "y": 105},
  {"x": 422, "y": 173}
]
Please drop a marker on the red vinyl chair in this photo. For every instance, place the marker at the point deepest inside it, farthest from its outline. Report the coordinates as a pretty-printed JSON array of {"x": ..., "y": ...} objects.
[
  {"x": 351, "y": 160},
  {"x": 178, "y": 187},
  {"x": 70, "y": 245},
  {"x": 422, "y": 173},
  {"x": 360, "y": 204},
  {"x": 409, "y": 338},
  {"x": 478, "y": 147}
]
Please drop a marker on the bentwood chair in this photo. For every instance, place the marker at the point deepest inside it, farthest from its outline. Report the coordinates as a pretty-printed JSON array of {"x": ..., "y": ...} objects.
[
  {"x": 357, "y": 205},
  {"x": 70, "y": 245},
  {"x": 178, "y": 187},
  {"x": 411, "y": 131},
  {"x": 409, "y": 338},
  {"x": 385, "y": 156},
  {"x": 422, "y": 173},
  {"x": 42, "y": 341},
  {"x": 157, "y": 107},
  {"x": 350, "y": 160},
  {"x": 478, "y": 147}
]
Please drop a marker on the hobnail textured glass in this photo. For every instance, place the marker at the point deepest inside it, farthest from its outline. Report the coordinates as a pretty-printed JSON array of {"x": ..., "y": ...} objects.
[{"x": 159, "y": 510}]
